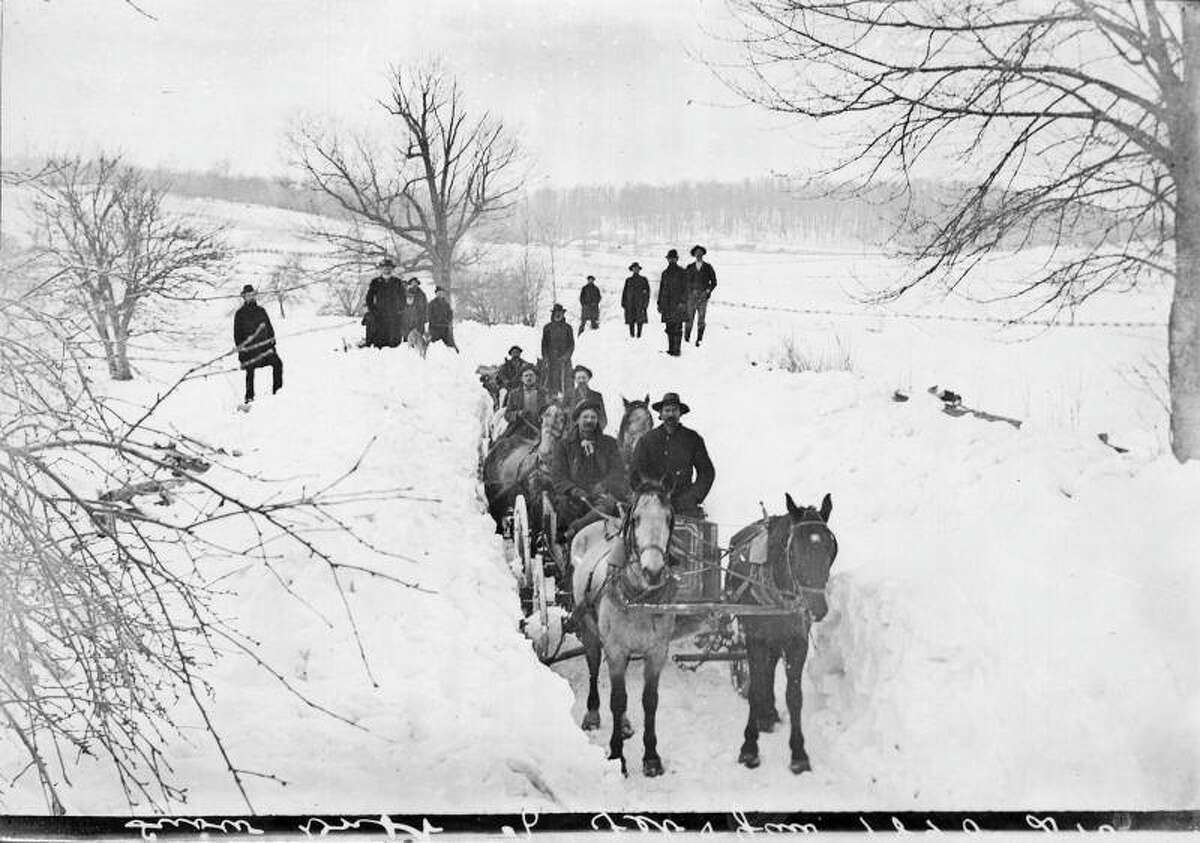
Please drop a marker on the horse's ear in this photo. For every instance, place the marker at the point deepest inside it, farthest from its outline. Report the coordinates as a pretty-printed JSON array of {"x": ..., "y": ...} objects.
[
  {"x": 826, "y": 507},
  {"x": 626, "y": 402},
  {"x": 791, "y": 504},
  {"x": 646, "y": 400}
]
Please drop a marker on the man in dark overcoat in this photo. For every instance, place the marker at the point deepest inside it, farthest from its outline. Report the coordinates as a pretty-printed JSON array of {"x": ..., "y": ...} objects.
[
  {"x": 635, "y": 299},
  {"x": 441, "y": 319},
  {"x": 509, "y": 373},
  {"x": 675, "y": 456},
  {"x": 672, "y": 302},
  {"x": 701, "y": 281},
  {"x": 558, "y": 344},
  {"x": 589, "y": 304},
  {"x": 385, "y": 300},
  {"x": 255, "y": 340},
  {"x": 581, "y": 391},
  {"x": 524, "y": 405},
  {"x": 587, "y": 473}
]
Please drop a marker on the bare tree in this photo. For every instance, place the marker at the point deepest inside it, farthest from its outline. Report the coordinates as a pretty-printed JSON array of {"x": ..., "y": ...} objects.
[
  {"x": 116, "y": 251},
  {"x": 112, "y": 531},
  {"x": 442, "y": 172},
  {"x": 1077, "y": 117}
]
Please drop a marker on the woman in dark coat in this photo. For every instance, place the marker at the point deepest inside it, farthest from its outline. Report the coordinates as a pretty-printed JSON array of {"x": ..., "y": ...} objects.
[
  {"x": 385, "y": 300},
  {"x": 635, "y": 299}
]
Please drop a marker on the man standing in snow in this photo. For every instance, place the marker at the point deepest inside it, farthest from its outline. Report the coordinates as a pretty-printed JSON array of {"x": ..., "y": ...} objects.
[
  {"x": 385, "y": 300},
  {"x": 255, "y": 341},
  {"x": 701, "y": 281},
  {"x": 414, "y": 289},
  {"x": 635, "y": 299},
  {"x": 672, "y": 302},
  {"x": 441, "y": 319},
  {"x": 558, "y": 344},
  {"x": 589, "y": 304},
  {"x": 587, "y": 472},
  {"x": 675, "y": 456}
]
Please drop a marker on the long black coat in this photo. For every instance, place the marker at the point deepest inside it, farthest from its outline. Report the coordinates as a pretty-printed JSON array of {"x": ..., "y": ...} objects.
[
  {"x": 572, "y": 471},
  {"x": 440, "y": 313},
  {"x": 679, "y": 460},
  {"x": 385, "y": 300},
  {"x": 252, "y": 327},
  {"x": 672, "y": 294},
  {"x": 589, "y": 300},
  {"x": 635, "y": 299},
  {"x": 558, "y": 340}
]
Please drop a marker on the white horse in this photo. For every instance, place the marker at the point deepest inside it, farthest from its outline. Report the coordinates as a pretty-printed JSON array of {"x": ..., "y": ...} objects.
[{"x": 618, "y": 562}]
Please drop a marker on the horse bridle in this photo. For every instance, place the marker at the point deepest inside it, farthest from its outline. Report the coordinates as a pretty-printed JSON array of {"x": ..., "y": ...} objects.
[
  {"x": 798, "y": 591},
  {"x": 632, "y": 553}
]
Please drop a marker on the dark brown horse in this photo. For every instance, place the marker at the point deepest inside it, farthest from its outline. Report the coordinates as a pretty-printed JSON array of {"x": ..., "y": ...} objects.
[{"x": 782, "y": 561}]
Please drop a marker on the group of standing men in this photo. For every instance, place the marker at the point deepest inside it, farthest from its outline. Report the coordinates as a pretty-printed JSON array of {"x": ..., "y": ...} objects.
[
  {"x": 398, "y": 311},
  {"x": 683, "y": 295}
]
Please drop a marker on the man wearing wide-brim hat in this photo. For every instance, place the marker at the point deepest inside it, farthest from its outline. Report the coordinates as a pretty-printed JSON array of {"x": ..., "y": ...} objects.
[
  {"x": 675, "y": 456},
  {"x": 581, "y": 391},
  {"x": 587, "y": 473},
  {"x": 701, "y": 281},
  {"x": 635, "y": 299},
  {"x": 558, "y": 344},
  {"x": 255, "y": 340},
  {"x": 509, "y": 373},
  {"x": 672, "y": 302}
]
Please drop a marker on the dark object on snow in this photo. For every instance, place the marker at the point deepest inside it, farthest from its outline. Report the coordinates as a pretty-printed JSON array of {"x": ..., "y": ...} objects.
[
  {"x": 899, "y": 396},
  {"x": 945, "y": 395},
  {"x": 767, "y": 559},
  {"x": 1103, "y": 437}
]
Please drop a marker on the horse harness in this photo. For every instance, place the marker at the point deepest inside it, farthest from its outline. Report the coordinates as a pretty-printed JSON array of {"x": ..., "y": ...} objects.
[{"x": 766, "y": 590}]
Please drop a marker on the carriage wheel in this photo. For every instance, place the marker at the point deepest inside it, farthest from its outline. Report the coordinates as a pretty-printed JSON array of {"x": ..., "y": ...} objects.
[
  {"x": 548, "y": 616},
  {"x": 550, "y": 534},
  {"x": 739, "y": 669},
  {"x": 520, "y": 522}
]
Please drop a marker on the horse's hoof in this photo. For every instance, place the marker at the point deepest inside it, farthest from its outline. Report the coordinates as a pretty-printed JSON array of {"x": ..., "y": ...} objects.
[
  {"x": 591, "y": 721},
  {"x": 626, "y": 728},
  {"x": 749, "y": 758},
  {"x": 621, "y": 758},
  {"x": 652, "y": 767},
  {"x": 799, "y": 765}
]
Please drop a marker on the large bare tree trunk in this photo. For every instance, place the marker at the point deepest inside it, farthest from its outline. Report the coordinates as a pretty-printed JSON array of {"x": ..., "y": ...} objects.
[{"x": 1184, "y": 324}]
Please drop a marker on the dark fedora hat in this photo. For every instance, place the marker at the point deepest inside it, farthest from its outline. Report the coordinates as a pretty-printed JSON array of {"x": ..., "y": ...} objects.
[
  {"x": 591, "y": 278},
  {"x": 249, "y": 288},
  {"x": 668, "y": 399},
  {"x": 587, "y": 404},
  {"x": 516, "y": 348},
  {"x": 579, "y": 367},
  {"x": 635, "y": 266},
  {"x": 385, "y": 262},
  {"x": 699, "y": 249},
  {"x": 558, "y": 308},
  {"x": 673, "y": 254}
]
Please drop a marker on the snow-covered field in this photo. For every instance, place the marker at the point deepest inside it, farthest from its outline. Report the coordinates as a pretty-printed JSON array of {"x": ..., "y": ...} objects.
[{"x": 1012, "y": 614}]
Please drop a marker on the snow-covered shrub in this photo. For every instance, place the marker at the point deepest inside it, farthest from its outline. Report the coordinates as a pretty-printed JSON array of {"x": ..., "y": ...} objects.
[
  {"x": 507, "y": 294},
  {"x": 791, "y": 356}
]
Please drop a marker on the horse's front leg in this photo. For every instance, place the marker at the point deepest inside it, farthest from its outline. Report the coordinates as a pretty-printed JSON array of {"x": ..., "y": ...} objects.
[
  {"x": 768, "y": 714},
  {"x": 795, "y": 652},
  {"x": 756, "y": 656},
  {"x": 618, "y": 703},
  {"x": 654, "y": 662},
  {"x": 591, "y": 651}
]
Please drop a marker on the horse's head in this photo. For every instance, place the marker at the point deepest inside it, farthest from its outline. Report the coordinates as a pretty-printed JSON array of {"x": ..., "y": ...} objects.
[
  {"x": 647, "y": 534},
  {"x": 554, "y": 422},
  {"x": 635, "y": 423},
  {"x": 809, "y": 550}
]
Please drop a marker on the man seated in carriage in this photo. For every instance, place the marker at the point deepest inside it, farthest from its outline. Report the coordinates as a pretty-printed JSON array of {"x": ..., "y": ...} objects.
[
  {"x": 676, "y": 456},
  {"x": 581, "y": 391},
  {"x": 524, "y": 405},
  {"x": 509, "y": 374},
  {"x": 587, "y": 473}
]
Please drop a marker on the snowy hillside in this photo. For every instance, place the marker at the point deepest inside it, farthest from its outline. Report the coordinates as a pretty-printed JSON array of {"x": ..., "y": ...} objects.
[{"x": 1012, "y": 616}]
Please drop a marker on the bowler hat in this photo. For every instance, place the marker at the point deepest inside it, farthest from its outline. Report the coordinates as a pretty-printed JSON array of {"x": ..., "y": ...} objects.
[
  {"x": 558, "y": 308},
  {"x": 385, "y": 262},
  {"x": 673, "y": 254},
  {"x": 635, "y": 266},
  {"x": 516, "y": 348},
  {"x": 668, "y": 399},
  {"x": 699, "y": 249},
  {"x": 591, "y": 278},
  {"x": 579, "y": 367},
  {"x": 587, "y": 404},
  {"x": 249, "y": 288}
]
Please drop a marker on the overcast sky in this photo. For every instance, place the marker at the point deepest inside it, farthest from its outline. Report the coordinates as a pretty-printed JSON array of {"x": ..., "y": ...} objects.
[{"x": 598, "y": 91}]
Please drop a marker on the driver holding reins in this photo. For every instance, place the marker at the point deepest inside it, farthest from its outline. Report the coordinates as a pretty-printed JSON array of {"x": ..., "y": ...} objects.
[
  {"x": 676, "y": 456},
  {"x": 587, "y": 472}
]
